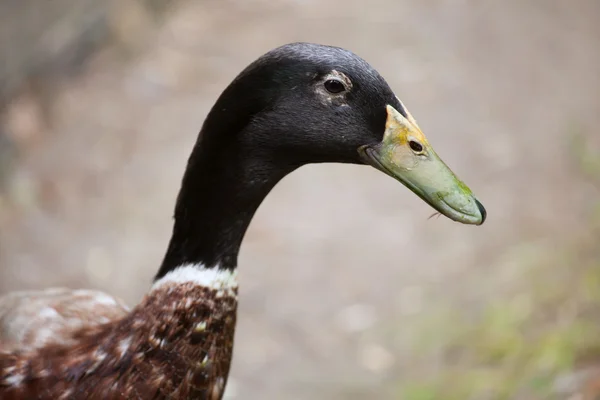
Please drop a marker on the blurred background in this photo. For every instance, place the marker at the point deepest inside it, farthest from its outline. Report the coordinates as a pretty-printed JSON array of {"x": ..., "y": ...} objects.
[{"x": 348, "y": 290}]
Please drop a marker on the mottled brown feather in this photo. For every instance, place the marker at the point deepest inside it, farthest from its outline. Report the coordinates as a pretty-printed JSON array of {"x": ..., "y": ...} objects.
[
  {"x": 33, "y": 319},
  {"x": 176, "y": 344}
]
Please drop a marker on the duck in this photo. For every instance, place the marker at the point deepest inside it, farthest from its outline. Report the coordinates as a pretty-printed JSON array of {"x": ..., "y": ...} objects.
[{"x": 298, "y": 104}]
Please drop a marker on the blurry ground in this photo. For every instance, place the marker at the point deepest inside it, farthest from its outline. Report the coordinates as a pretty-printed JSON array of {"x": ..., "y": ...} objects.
[{"x": 348, "y": 290}]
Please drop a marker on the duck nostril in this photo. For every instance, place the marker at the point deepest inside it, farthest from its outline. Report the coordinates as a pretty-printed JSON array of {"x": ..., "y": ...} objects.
[{"x": 415, "y": 146}]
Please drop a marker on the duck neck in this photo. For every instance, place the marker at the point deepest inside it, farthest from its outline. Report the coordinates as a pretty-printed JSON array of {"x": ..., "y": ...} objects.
[{"x": 223, "y": 186}]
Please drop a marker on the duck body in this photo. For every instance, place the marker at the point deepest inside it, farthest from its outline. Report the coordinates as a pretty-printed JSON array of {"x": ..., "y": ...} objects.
[
  {"x": 176, "y": 343},
  {"x": 298, "y": 104}
]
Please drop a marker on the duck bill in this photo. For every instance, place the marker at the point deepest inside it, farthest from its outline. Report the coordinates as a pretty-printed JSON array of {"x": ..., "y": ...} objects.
[{"x": 406, "y": 155}]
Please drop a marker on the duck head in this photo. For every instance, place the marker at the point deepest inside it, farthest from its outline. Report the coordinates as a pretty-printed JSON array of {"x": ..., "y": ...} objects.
[{"x": 305, "y": 103}]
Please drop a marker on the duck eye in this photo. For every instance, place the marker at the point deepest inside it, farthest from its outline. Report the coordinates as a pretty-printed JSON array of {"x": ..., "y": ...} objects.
[
  {"x": 334, "y": 86},
  {"x": 415, "y": 146}
]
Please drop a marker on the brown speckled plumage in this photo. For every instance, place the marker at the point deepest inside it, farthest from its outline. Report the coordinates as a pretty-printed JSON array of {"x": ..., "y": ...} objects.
[
  {"x": 33, "y": 319},
  {"x": 176, "y": 344}
]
